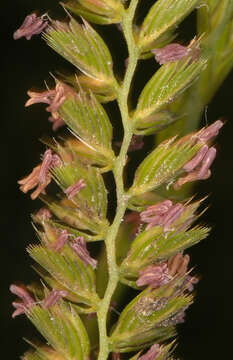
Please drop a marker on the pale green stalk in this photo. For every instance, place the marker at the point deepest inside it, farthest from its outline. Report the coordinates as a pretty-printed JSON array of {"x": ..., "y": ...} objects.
[{"x": 122, "y": 198}]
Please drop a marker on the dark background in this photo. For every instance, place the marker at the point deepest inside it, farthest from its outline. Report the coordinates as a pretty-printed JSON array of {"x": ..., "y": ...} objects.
[{"x": 27, "y": 64}]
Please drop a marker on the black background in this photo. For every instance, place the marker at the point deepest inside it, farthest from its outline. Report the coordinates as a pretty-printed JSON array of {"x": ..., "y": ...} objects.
[{"x": 27, "y": 64}]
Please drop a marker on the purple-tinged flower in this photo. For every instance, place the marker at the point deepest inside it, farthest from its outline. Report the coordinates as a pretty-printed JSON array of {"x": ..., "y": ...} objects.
[
  {"x": 152, "y": 353},
  {"x": 53, "y": 298},
  {"x": 20, "y": 308},
  {"x": 154, "y": 276},
  {"x": 198, "y": 168},
  {"x": 206, "y": 163},
  {"x": 54, "y": 98},
  {"x": 49, "y": 161},
  {"x": 44, "y": 214},
  {"x": 163, "y": 214},
  {"x": 178, "y": 264},
  {"x": 27, "y": 301},
  {"x": 60, "y": 242},
  {"x": 153, "y": 215},
  {"x": 40, "y": 176},
  {"x": 58, "y": 99},
  {"x": 171, "y": 216},
  {"x": 203, "y": 136},
  {"x": 134, "y": 218},
  {"x": 56, "y": 161},
  {"x": 196, "y": 160},
  {"x": 80, "y": 248},
  {"x": 190, "y": 281},
  {"x": 44, "y": 97},
  {"x": 57, "y": 122},
  {"x": 22, "y": 293},
  {"x": 179, "y": 318},
  {"x": 45, "y": 166},
  {"x": 32, "y": 25},
  {"x": 73, "y": 190},
  {"x": 209, "y": 132},
  {"x": 192, "y": 176},
  {"x": 160, "y": 274},
  {"x": 136, "y": 143},
  {"x": 157, "y": 209},
  {"x": 201, "y": 172},
  {"x": 31, "y": 181},
  {"x": 170, "y": 53}
]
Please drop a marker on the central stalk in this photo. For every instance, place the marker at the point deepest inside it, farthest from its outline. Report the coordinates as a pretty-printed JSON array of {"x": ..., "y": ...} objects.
[{"x": 122, "y": 199}]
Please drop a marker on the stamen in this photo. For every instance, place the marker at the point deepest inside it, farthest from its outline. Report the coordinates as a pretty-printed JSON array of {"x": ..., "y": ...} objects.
[
  {"x": 32, "y": 25},
  {"x": 170, "y": 53},
  {"x": 73, "y": 190},
  {"x": 80, "y": 248},
  {"x": 53, "y": 298}
]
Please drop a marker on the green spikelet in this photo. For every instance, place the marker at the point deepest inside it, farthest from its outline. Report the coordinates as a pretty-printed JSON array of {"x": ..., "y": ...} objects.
[
  {"x": 63, "y": 329},
  {"x": 102, "y": 12},
  {"x": 149, "y": 318}
]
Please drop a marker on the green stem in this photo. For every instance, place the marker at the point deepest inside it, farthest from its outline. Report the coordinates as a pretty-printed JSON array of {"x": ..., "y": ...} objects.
[{"x": 122, "y": 198}]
